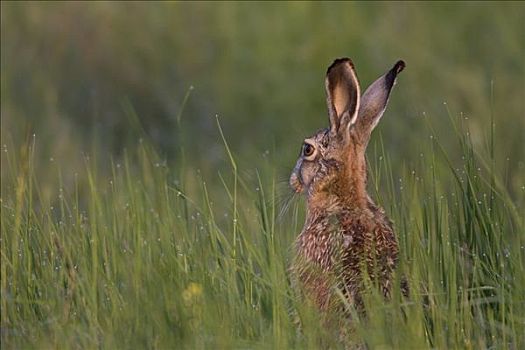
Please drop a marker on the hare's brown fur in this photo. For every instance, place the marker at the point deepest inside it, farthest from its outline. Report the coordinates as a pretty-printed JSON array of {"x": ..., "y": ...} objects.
[{"x": 346, "y": 234}]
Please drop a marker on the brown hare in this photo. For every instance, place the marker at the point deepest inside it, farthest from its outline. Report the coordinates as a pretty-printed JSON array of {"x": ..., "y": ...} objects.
[{"x": 345, "y": 234}]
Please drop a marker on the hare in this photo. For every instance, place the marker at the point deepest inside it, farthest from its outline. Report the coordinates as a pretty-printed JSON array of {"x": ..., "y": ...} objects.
[{"x": 345, "y": 234}]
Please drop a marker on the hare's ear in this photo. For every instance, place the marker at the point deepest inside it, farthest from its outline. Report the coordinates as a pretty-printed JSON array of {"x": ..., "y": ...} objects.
[
  {"x": 342, "y": 94},
  {"x": 374, "y": 101}
]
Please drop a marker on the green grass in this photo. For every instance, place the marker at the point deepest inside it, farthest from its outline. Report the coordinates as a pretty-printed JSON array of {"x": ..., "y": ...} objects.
[{"x": 139, "y": 253}]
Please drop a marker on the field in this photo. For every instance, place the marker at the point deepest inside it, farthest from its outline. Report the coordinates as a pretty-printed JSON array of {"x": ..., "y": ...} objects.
[{"x": 144, "y": 164}]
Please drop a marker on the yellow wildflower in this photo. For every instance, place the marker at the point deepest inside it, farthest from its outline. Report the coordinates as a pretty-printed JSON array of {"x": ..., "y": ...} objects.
[{"x": 192, "y": 291}]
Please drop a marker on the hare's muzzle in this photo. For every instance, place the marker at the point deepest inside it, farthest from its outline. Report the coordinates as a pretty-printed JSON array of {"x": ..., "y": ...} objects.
[{"x": 295, "y": 182}]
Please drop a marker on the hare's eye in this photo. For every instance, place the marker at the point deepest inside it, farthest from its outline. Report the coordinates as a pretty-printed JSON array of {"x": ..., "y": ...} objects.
[{"x": 308, "y": 150}]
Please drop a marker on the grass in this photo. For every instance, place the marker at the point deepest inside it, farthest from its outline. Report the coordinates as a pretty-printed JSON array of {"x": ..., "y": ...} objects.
[{"x": 141, "y": 254}]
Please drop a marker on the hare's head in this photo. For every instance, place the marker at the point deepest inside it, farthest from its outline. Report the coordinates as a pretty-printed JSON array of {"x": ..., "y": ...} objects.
[{"x": 332, "y": 161}]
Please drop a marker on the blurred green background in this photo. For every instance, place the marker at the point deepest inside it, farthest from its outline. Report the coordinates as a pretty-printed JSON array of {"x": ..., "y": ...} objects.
[{"x": 77, "y": 74}]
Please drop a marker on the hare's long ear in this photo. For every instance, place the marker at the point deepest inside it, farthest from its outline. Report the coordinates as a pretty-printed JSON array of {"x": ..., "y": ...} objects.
[
  {"x": 374, "y": 102},
  {"x": 342, "y": 94}
]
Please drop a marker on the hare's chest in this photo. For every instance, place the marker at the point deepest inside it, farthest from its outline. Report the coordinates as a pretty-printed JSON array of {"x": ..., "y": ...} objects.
[{"x": 329, "y": 242}]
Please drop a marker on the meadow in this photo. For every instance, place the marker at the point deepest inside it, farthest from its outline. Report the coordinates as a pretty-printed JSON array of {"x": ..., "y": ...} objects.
[{"x": 144, "y": 197}]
